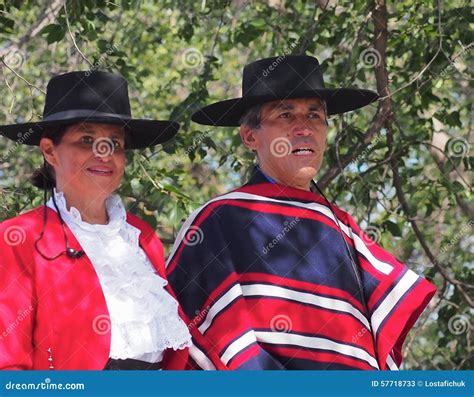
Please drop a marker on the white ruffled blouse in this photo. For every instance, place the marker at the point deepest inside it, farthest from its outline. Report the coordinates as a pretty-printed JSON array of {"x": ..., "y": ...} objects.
[{"x": 143, "y": 315}]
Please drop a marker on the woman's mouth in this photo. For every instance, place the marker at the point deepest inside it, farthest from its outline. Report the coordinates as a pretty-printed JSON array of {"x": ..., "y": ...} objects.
[{"x": 101, "y": 171}]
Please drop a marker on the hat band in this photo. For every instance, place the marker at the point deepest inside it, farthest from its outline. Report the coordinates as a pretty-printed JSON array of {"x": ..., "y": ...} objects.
[{"x": 83, "y": 113}]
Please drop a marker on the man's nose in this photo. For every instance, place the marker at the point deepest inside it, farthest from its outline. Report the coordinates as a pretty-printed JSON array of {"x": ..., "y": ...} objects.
[{"x": 302, "y": 127}]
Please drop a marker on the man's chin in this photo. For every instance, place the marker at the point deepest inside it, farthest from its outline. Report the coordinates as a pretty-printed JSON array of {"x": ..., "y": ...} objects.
[{"x": 306, "y": 173}]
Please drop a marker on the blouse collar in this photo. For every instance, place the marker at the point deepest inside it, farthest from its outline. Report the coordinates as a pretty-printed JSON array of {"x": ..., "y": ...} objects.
[{"x": 115, "y": 210}]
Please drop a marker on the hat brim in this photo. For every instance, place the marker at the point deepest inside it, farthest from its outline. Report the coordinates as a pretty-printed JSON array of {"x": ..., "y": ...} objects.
[
  {"x": 144, "y": 133},
  {"x": 338, "y": 100}
]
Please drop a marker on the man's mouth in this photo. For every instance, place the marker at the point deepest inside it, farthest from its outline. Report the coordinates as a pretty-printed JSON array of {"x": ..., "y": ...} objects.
[{"x": 303, "y": 151}]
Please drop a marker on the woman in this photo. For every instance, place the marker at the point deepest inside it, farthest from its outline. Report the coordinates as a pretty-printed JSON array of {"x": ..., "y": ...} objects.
[{"x": 82, "y": 282}]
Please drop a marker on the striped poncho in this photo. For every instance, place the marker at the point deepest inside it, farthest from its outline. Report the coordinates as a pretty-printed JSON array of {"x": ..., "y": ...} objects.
[{"x": 263, "y": 273}]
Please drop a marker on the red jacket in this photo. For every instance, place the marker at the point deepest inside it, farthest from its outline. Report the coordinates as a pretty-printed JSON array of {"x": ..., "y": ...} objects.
[{"x": 57, "y": 308}]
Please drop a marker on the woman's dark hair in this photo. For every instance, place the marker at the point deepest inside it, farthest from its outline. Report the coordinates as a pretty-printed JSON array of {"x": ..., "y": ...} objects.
[{"x": 43, "y": 177}]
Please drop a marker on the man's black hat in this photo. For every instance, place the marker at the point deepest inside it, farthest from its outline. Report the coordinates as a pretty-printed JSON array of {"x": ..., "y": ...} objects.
[{"x": 284, "y": 77}]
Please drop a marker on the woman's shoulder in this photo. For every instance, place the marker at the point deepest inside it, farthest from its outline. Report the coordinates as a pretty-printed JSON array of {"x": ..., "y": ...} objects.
[
  {"x": 29, "y": 220},
  {"x": 139, "y": 223},
  {"x": 20, "y": 232}
]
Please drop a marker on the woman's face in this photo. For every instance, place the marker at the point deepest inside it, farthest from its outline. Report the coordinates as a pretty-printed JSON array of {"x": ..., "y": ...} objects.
[{"x": 89, "y": 160}]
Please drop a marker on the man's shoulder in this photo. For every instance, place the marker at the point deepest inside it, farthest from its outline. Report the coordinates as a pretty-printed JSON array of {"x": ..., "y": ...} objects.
[{"x": 219, "y": 203}]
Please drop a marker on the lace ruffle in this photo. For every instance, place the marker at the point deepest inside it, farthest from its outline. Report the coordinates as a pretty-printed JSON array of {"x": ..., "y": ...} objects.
[{"x": 144, "y": 317}]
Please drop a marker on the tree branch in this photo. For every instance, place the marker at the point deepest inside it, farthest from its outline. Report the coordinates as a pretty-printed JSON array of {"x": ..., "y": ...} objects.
[
  {"x": 440, "y": 46},
  {"x": 384, "y": 108},
  {"x": 49, "y": 15},
  {"x": 72, "y": 36}
]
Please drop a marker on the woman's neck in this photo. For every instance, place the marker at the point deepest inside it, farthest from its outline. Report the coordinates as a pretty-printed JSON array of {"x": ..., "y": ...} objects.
[{"x": 92, "y": 211}]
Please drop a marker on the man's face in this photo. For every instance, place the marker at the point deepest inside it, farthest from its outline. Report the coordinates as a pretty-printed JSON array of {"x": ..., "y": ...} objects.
[{"x": 291, "y": 140}]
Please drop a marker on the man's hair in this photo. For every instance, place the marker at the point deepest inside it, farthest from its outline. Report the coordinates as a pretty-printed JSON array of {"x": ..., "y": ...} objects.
[{"x": 252, "y": 117}]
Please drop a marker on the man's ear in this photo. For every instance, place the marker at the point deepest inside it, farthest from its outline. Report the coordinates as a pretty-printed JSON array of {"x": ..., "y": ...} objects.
[
  {"x": 249, "y": 137},
  {"x": 47, "y": 147}
]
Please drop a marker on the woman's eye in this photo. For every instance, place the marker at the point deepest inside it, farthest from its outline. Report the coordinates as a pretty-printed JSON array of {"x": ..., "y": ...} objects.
[{"x": 284, "y": 115}]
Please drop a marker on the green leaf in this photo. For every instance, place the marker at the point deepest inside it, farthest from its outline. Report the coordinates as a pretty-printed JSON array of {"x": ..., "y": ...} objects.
[
  {"x": 53, "y": 32},
  {"x": 6, "y": 24},
  {"x": 393, "y": 228}
]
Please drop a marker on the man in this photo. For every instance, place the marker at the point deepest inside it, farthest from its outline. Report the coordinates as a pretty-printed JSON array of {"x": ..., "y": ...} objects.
[{"x": 272, "y": 274}]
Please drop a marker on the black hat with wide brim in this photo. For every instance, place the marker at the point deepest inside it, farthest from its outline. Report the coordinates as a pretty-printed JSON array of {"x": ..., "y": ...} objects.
[
  {"x": 279, "y": 78},
  {"x": 92, "y": 97}
]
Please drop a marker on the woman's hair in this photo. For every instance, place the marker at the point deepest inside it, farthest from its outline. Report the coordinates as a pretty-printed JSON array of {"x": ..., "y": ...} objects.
[{"x": 44, "y": 177}]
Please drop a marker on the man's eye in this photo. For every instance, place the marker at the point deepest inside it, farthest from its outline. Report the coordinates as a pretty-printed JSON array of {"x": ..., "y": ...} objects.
[
  {"x": 314, "y": 116},
  {"x": 284, "y": 115},
  {"x": 87, "y": 139},
  {"x": 117, "y": 144}
]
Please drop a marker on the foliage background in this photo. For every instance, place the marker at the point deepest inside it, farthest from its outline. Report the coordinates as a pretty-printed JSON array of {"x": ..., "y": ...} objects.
[{"x": 402, "y": 168}]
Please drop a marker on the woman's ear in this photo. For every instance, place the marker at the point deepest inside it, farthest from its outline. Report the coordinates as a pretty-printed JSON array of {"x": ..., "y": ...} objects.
[
  {"x": 249, "y": 137},
  {"x": 47, "y": 147}
]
